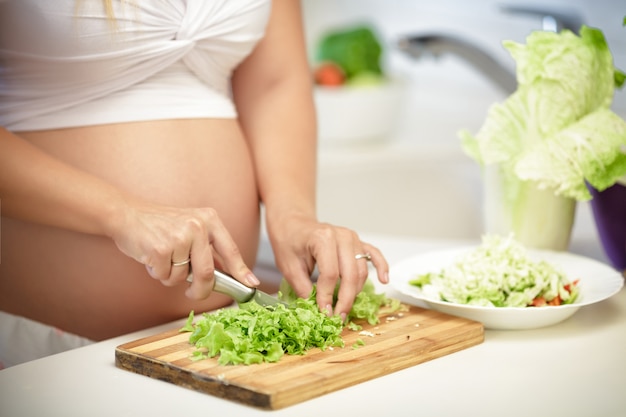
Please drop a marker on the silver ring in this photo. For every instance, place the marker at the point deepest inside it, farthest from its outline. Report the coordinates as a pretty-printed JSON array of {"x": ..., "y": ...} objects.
[
  {"x": 365, "y": 256},
  {"x": 181, "y": 263}
]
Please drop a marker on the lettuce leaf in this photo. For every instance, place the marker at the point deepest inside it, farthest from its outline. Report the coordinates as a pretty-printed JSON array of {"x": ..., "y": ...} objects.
[
  {"x": 586, "y": 151},
  {"x": 557, "y": 129}
]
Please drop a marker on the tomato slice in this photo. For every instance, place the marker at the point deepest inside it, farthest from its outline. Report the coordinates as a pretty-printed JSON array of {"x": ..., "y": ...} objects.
[
  {"x": 539, "y": 302},
  {"x": 556, "y": 301}
]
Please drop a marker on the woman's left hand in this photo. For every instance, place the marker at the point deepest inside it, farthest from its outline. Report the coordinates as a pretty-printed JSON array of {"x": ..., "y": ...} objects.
[{"x": 301, "y": 244}]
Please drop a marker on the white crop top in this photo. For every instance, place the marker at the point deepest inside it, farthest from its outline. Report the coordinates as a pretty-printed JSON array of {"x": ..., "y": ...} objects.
[{"x": 64, "y": 63}]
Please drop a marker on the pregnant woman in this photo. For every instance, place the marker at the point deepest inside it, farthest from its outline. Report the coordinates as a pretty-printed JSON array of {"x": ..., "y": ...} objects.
[{"x": 139, "y": 139}]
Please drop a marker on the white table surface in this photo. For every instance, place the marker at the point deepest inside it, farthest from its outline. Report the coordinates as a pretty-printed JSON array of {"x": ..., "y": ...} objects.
[{"x": 575, "y": 368}]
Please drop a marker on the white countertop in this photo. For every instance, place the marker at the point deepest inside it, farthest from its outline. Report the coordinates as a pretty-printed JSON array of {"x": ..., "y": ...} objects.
[{"x": 575, "y": 368}]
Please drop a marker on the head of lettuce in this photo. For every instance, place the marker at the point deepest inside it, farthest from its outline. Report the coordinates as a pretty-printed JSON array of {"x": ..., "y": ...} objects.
[{"x": 556, "y": 133}]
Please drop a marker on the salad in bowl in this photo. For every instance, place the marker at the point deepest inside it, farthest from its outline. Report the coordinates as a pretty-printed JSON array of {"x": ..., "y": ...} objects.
[
  {"x": 503, "y": 284},
  {"x": 499, "y": 273}
]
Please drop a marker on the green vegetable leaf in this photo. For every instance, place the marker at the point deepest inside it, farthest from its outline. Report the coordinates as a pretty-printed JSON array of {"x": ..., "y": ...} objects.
[
  {"x": 356, "y": 50},
  {"x": 358, "y": 343},
  {"x": 620, "y": 78},
  {"x": 254, "y": 334},
  {"x": 584, "y": 151},
  {"x": 367, "y": 304},
  {"x": 421, "y": 280},
  {"x": 557, "y": 128},
  {"x": 188, "y": 327},
  {"x": 354, "y": 327}
]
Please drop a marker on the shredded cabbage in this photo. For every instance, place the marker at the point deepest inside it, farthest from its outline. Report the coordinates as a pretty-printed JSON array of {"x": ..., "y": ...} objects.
[{"x": 498, "y": 273}]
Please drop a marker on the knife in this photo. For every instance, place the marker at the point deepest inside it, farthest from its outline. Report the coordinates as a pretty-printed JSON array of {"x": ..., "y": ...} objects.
[{"x": 225, "y": 284}]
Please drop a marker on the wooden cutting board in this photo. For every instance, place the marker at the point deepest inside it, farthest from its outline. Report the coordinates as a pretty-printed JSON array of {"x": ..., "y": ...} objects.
[{"x": 400, "y": 340}]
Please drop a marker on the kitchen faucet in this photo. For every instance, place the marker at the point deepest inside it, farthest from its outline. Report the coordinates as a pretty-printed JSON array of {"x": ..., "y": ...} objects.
[{"x": 436, "y": 44}]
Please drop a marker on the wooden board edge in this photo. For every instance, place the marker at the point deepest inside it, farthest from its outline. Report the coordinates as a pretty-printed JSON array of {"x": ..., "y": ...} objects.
[
  {"x": 167, "y": 372},
  {"x": 149, "y": 339}
]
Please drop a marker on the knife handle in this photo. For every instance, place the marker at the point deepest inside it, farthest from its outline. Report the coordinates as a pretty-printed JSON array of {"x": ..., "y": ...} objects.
[
  {"x": 228, "y": 285},
  {"x": 225, "y": 284}
]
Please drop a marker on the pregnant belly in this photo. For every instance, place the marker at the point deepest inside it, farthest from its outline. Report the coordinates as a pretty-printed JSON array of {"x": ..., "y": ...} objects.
[{"x": 82, "y": 283}]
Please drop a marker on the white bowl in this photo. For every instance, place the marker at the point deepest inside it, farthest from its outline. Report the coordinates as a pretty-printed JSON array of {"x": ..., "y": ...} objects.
[
  {"x": 597, "y": 282},
  {"x": 353, "y": 114}
]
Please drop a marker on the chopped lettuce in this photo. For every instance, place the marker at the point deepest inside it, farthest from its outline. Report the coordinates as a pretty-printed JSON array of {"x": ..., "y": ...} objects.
[
  {"x": 366, "y": 305},
  {"x": 358, "y": 343},
  {"x": 498, "y": 273},
  {"x": 254, "y": 334},
  {"x": 557, "y": 129}
]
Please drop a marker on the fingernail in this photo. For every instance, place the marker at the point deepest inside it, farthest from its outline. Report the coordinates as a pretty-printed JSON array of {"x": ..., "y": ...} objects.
[
  {"x": 329, "y": 310},
  {"x": 252, "y": 280},
  {"x": 386, "y": 277},
  {"x": 150, "y": 271},
  {"x": 343, "y": 317}
]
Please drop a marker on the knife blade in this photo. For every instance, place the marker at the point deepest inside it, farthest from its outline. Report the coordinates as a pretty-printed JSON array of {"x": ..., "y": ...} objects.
[{"x": 227, "y": 285}]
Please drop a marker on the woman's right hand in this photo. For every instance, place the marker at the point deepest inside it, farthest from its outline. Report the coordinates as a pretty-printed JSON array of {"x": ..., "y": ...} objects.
[{"x": 158, "y": 237}]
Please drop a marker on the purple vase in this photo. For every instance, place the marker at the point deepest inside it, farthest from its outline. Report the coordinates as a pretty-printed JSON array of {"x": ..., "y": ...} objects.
[{"x": 609, "y": 212}]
